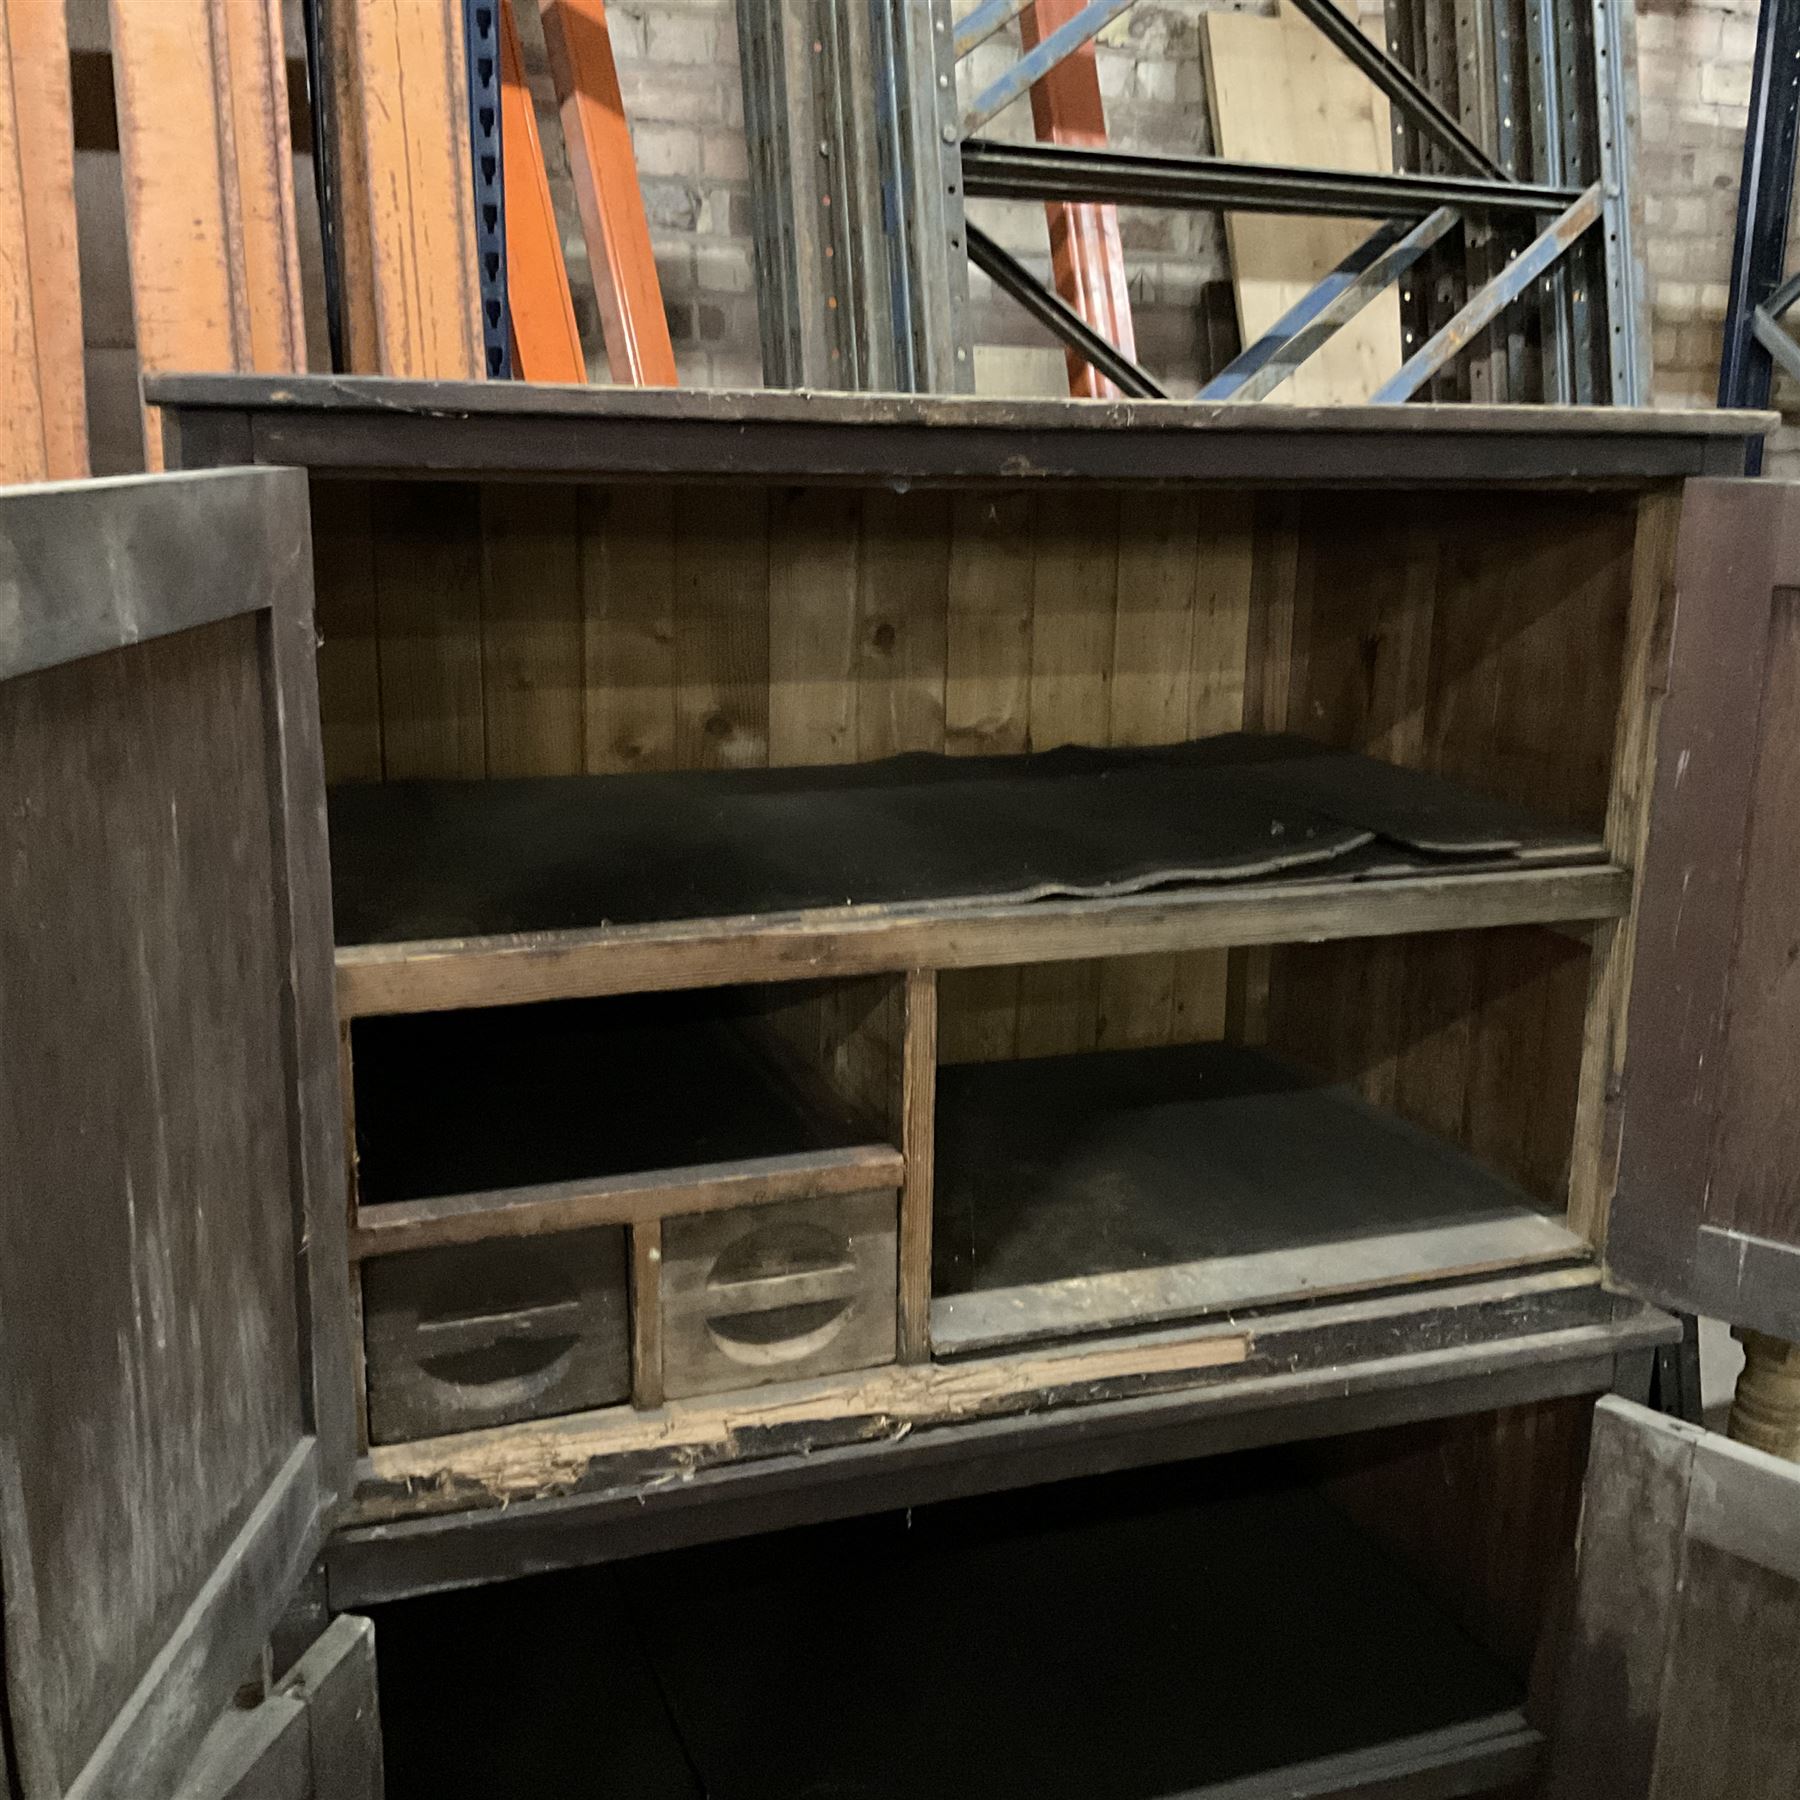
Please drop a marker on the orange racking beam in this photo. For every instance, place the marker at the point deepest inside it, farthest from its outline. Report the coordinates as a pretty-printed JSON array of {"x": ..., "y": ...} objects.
[
  {"x": 638, "y": 350},
  {"x": 546, "y": 340},
  {"x": 1085, "y": 250}
]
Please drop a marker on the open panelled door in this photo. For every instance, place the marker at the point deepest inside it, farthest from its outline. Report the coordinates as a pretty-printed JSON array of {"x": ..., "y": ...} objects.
[
  {"x": 175, "y": 1413},
  {"x": 1707, "y": 1213},
  {"x": 1682, "y": 1674}
]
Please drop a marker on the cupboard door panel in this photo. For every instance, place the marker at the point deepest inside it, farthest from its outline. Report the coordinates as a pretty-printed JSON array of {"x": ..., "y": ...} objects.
[
  {"x": 175, "y": 1410},
  {"x": 1707, "y": 1211}
]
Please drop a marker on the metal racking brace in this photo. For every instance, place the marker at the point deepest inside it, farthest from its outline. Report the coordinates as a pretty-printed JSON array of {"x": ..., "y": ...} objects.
[{"x": 862, "y": 159}]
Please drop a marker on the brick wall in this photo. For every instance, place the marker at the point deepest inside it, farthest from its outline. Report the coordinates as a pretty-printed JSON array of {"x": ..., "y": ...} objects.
[{"x": 1694, "y": 88}]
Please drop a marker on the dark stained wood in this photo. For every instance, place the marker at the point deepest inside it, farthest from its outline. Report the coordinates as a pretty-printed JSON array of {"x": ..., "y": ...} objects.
[
  {"x": 1482, "y": 1510},
  {"x": 463, "y": 428},
  {"x": 918, "y": 1138},
  {"x": 1707, "y": 1216},
  {"x": 1680, "y": 1678},
  {"x": 1315, "y": 1372},
  {"x": 1755, "y": 1189},
  {"x": 336, "y": 1682},
  {"x": 317, "y": 1736},
  {"x": 457, "y": 973},
  {"x": 172, "y": 1130},
  {"x": 784, "y": 1293},
  {"x": 646, "y": 1315},
  {"x": 404, "y": 1225},
  {"x": 495, "y": 1333}
]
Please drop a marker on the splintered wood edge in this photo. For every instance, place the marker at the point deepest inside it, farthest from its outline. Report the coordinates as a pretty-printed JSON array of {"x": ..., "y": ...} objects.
[
  {"x": 515, "y": 1462},
  {"x": 446, "y": 974}
]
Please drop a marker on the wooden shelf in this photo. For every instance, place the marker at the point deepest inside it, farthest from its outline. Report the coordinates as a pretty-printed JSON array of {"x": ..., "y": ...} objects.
[
  {"x": 462, "y": 894},
  {"x": 1080, "y": 1194}
]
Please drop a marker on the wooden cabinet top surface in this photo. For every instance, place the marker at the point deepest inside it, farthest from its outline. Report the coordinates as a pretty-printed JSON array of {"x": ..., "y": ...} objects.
[{"x": 471, "y": 428}]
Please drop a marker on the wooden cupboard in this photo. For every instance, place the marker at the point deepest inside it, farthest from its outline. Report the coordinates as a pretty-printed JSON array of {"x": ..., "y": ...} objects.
[{"x": 884, "y": 949}]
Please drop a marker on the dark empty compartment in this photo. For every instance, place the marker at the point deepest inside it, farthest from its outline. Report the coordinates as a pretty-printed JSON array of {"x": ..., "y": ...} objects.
[
  {"x": 509, "y": 1097},
  {"x": 1260, "y": 1181},
  {"x": 1126, "y": 1638}
]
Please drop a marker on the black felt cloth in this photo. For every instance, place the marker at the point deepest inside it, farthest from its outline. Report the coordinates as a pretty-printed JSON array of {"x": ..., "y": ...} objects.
[{"x": 436, "y": 859}]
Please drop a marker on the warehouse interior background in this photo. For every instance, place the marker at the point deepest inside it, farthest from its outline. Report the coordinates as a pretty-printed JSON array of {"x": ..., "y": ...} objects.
[{"x": 678, "y": 66}]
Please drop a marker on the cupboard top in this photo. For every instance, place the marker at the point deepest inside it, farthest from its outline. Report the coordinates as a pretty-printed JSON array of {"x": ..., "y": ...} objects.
[{"x": 367, "y": 424}]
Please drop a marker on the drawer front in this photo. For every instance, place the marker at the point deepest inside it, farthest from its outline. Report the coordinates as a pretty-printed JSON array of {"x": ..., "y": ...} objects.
[
  {"x": 489, "y": 1334},
  {"x": 778, "y": 1293}
]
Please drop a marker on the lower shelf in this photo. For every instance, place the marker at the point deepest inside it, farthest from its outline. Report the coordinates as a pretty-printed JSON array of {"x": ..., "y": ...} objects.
[
  {"x": 1209, "y": 1630},
  {"x": 1079, "y": 1194}
]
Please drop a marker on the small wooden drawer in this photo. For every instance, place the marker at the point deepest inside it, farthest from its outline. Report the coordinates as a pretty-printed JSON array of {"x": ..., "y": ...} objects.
[
  {"x": 778, "y": 1293},
  {"x": 489, "y": 1334}
]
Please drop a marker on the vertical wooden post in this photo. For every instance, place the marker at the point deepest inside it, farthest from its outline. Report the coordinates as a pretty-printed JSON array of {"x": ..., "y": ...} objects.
[
  {"x": 43, "y": 419},
  {"x": 646, "y": 1315},
  {"x": 406, "y": 199},
  {"x": 206, "y": 147},
  {"x": 1765, "y": 1411},
  {"x": 359, "y": 1368},
  {"x": 918, "y": 1130},
  {"x": 1085, "y": 249}
]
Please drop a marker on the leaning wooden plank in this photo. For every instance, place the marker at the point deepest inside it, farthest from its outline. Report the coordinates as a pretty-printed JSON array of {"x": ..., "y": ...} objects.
[
  {"x": 449, "y": 973},
  {"x": 604, "y": 165},
  {"x": 43, "y": 424},
  {"x": 401, "y": 92},
  {"x": 621, "y": 1199},
  {"x": 1279, "y": 93},
  {"x": 209, "y": 188}
]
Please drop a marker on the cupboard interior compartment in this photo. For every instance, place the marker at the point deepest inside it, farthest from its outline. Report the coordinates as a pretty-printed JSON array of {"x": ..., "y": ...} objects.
[
  {"x": 742, "y": 635},
  {"x": 1111, "y": 1635},
  {"x": 1144, "y": 1140},
  {"x": 691, "y": 1084},
  {"x": 566, "y": 1205}
]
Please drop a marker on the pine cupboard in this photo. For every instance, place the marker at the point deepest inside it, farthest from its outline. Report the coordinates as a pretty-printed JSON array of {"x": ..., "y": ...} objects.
[{"x": 868, "y": 951}]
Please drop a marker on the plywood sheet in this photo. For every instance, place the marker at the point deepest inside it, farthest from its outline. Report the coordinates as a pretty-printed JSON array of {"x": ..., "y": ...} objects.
[{"x": 1279, "y": 93}]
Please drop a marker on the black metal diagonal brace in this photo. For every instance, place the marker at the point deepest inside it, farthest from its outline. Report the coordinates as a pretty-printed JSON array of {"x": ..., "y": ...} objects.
[
  {"x": 1051, "y": 310},
  {"x": 1397, "y": 83}
]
